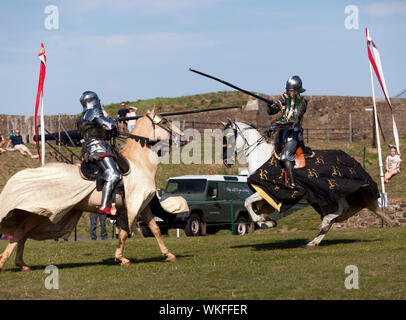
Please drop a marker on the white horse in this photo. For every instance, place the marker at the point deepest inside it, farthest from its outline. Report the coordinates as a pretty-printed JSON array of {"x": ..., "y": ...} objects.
[{"x": 250, "y": 143}]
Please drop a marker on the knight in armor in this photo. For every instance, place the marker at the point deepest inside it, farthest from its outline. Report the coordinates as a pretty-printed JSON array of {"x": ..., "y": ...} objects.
[
  {"x": 288, "y": 123},
  {"x": 94, "y": 128}
]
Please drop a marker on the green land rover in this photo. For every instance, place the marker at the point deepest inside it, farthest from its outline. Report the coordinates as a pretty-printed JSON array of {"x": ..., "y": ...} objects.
[{"x": 215, "y": 202}]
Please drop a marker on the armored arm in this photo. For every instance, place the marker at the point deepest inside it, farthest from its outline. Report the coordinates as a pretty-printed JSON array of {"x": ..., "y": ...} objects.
[
  {"x": 303, "y": 109},
  {"x": 97, "y": 116},
  {"x": 301, "y": 113},
  {"x": 106, "y": 123}
]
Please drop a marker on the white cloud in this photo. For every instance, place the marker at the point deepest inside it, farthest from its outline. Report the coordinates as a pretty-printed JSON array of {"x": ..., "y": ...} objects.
[{"x": 384, "y": 9}]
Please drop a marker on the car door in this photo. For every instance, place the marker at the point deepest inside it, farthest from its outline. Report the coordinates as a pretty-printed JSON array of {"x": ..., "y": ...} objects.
[
  {"x": 214, "y": 205},
  {"x": 236, "y": 192}
]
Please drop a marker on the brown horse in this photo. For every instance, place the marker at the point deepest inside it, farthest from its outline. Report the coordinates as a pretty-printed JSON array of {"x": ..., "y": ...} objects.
[{"x": 47, "y": 202}]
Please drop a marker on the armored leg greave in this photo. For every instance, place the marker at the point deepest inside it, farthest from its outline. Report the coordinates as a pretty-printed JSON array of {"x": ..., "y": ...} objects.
[
  {"x": 111, "y": 177},
  {"x": 289, "y": 170}
]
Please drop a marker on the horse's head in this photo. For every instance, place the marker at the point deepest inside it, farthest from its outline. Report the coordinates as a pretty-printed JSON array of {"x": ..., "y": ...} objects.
[
  {"x": 230, "y": 138},
  {"x": 157, "y": 128},
  {"x": 239, "y": 138}
]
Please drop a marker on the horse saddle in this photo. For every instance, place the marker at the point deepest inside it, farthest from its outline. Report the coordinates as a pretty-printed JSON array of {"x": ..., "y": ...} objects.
[
  {"x": 300, "y": 160},
  {"x": 89, "y": 170},
  {"x": 301, "y": 155}
]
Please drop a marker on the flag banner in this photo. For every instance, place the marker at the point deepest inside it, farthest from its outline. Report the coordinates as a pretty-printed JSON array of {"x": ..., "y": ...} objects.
[
  {"x": 375, "y": 60},
  {"x": 42, "y": 71}
]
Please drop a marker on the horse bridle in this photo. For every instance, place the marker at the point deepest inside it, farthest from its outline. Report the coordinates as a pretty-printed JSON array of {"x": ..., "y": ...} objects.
[
  {"x": 156, "y": 121},
  {"x": 257, "y": 142}
]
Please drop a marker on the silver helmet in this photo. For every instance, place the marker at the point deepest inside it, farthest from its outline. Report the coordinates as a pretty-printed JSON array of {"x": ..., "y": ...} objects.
[
  {"x": 294, "y": 84},
  {"x": 89, "y": 100}
]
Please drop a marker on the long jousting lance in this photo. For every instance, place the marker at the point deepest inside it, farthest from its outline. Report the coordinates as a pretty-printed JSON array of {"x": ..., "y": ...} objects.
[
  {"x": 232, "y": 86},
  {"x": 177, "y": 113},
  {"x": 209, "y": 109}
]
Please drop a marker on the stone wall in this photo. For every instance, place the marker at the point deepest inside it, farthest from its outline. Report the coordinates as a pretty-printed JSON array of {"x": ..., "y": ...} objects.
[
  {"x": 26, "y": 126},
  {"x": 332, "y": 112},
  {"x": 396, "y": 211}
]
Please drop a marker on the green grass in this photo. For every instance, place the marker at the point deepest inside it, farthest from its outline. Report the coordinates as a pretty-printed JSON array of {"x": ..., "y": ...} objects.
[
  {"x": 261, "y": 265},
  {"x": 199, "y": 101},
  {"x": 267, "y": 264}
]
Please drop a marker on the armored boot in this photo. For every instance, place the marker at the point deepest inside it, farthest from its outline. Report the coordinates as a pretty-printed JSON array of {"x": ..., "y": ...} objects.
[
  {"x": 111, "y": 177},
  {"x": 289, "y": 170}
]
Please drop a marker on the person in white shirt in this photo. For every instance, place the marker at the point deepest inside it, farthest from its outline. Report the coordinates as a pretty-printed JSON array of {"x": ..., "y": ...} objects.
[
  {"x": 132, "y": 113},
  {"x": 392, "y": 164}
]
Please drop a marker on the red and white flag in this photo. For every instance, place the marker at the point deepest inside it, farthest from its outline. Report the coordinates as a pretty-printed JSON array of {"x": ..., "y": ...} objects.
[
  {"x": 375, "y": 60},
  {"x": 42, "y": 71}
]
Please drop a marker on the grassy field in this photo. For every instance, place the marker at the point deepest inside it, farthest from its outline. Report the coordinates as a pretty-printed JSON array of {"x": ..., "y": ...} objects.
[
  {"x": 198, "y": 101},
  {"x": 262, "y": 265},
  {"x": 267, "y": 264}
]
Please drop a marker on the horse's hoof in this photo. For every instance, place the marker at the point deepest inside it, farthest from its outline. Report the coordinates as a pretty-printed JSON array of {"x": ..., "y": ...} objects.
[
  {"x": 271, "y": 223},
  {"x": 262, "y": 225},
  {"x": 267, "y": 224},
  {"x": 170, "y": 258},
  {"x": 124, "y": 262},
  {"x": 25, "y": 268}
]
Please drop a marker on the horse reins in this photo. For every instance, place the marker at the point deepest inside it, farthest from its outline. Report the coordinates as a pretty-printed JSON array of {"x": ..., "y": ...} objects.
[
  {"x": 259, "y": 141},
  {"x": 144, "y": 140}
]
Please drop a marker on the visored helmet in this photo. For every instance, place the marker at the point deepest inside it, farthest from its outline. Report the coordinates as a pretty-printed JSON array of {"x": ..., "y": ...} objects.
[
  {"x": 89, "y": 100},
  {"x": 294, "y": 84}
]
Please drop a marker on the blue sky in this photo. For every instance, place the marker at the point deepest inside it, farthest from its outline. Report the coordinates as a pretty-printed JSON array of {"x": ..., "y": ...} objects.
[{"x": 140, "y": 49}]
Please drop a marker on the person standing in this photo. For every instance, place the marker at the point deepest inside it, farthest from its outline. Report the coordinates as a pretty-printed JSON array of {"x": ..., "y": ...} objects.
[
  {"x": 122, "y": 113},
  {"x": 131, "y": 122},
  {"x": 93, "y": 226}
]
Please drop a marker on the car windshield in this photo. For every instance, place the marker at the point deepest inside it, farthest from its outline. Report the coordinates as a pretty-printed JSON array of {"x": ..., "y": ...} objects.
[{"x": 186, "y": 186}]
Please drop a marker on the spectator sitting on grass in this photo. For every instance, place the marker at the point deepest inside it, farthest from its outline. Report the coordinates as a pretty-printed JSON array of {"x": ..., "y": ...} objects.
[
  {"x": 19, "y": 145},
  {"x": 392, "y": 164}
]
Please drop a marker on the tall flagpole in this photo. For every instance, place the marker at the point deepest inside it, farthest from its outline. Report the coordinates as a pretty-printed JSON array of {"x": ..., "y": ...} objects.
[
  {"x": 378, "y": 140},
  {"x": 42, "y": 131},
  {"x": 40, "y": 94}
]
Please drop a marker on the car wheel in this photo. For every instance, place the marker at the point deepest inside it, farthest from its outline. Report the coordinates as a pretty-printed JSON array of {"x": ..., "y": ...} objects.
[
  {"x": 242, "y": 226},
  {"x": 193, "y": 226}
]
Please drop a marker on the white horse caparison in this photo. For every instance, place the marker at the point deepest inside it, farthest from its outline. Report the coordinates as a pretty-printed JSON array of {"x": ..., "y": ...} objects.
[{"x": 250, "y": 143}]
